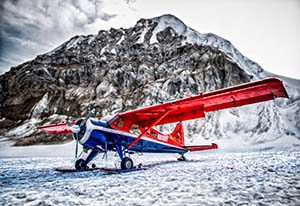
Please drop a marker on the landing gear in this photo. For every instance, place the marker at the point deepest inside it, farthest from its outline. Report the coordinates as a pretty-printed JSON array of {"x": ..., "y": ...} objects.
[
  {"x": 126, "y": 163},
  {"x": 80, "y": 164},
  {"x": 182, "y": 157}
]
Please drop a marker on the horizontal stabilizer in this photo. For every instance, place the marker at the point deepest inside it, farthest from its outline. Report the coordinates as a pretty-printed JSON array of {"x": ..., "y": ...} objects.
[
  {"x": 201, "y": 147},
  {"x": 60, "y": 128}
]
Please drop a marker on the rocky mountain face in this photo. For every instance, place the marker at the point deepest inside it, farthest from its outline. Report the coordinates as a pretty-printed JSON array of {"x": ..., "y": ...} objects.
[{"x": 154, "y": 61}]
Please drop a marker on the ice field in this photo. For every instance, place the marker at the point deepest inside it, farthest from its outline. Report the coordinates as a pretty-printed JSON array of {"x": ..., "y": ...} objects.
[{"x": 259, "y": 177}]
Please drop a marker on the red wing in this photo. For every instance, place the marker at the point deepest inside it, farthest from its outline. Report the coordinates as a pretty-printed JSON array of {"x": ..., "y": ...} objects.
[
  {"x": 60, "y": 128},
  {"x": 195, "y": 106}
]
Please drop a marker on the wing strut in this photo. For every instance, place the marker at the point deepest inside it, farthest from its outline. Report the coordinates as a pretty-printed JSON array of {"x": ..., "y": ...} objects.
[{"x": 146, "y": 130}]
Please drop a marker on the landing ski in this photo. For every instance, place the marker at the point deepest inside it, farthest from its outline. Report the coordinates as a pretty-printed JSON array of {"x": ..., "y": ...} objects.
[{"x": 102, "y": 169}]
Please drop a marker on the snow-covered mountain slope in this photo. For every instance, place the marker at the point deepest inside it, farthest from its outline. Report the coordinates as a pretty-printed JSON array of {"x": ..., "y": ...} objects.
[{"x": 157, "y": 60}]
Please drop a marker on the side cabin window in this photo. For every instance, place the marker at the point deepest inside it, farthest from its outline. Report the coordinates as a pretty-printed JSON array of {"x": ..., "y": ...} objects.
[
  {"x": 153, "y": 134},
  {"x": 120, "y": 123},
  {"x": 134, "y": 129}
]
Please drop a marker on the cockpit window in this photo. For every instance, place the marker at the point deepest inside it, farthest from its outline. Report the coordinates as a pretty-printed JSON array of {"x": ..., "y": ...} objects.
[{"x": 108, "y": 118}]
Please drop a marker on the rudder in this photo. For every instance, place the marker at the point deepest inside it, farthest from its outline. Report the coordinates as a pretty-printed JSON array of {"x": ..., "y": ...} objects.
[{"x": 178, "y": 134}]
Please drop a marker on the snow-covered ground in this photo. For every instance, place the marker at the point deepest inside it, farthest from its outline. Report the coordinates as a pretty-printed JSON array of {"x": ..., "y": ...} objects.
[
  {"x": 59, "y": 150},
  {"x": 220, "y": 177}
]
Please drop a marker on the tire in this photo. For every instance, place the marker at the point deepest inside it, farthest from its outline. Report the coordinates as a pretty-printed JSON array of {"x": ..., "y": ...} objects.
[
  {"x": 80, "y": 164},
  {"x": 126, "y": 163}
]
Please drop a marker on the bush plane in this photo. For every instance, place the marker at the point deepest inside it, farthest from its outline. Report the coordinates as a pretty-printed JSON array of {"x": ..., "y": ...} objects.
[{"x": 133, "y": 131}]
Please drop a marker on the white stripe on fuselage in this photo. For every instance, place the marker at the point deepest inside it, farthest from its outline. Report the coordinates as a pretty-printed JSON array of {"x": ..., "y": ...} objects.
[{"x": 90, "y": 127}]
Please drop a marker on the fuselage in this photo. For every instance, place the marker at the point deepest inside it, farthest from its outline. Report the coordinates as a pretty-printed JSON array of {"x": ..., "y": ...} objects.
[{"x": 98, "y": 133}]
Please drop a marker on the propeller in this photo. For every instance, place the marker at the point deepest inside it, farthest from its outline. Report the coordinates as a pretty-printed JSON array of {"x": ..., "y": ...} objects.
[{"x": 76, "y": 129}]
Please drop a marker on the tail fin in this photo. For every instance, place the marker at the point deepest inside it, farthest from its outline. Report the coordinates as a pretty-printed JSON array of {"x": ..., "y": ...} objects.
[{"x": 178, "y": 134}]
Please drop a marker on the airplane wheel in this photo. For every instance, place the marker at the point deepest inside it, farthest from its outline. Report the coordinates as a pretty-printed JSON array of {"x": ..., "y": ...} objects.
[
  {"x": 126, "y": 163},
  {"x": 80, "y": 164}
]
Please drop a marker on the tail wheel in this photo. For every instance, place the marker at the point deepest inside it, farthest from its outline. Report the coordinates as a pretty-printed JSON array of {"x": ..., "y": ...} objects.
[
  {"x": 181, "y": 158},
  {"x": 80, "y": 164},
  {"x": 126, "y": 163}
]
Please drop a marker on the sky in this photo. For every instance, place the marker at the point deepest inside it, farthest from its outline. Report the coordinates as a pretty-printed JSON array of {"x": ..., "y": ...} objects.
[{"x": 266, "y": 31}]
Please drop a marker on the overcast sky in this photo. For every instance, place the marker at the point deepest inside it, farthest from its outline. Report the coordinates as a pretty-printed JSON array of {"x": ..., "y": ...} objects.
[{"x": 266, "y": 31}]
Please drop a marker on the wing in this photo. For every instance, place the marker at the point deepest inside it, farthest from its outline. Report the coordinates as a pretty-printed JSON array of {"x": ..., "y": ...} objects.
[
  {"x": 60, "y": 128},
  {"x": 196, "y": 106}
]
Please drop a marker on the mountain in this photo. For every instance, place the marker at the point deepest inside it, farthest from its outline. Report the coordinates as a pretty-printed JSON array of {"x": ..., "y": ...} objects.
[{"x": 154, "y": 61}]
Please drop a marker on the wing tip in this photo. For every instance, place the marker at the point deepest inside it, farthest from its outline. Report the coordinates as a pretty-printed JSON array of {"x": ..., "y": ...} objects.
[{"x": 278, "y": 86}]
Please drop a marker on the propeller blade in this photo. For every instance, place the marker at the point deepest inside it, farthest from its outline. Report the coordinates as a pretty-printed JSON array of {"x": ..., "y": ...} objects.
[
  {"x": 76, "y": 146},
  {"x": 73, "y": 136},
  {"x": 89, "y": 115},
  {"x": 106, "y": 151}
]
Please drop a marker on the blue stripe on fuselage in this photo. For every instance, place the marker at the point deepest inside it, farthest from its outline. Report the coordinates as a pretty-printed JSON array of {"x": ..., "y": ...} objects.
[{"x": 96, "y": 138}]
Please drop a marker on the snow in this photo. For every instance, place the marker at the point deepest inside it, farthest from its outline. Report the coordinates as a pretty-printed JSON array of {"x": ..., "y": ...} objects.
[
  {"x": 74, "y": 42},
  {"x": 77, "y": 93},
  {"x": 27, "y": 128},
  {"x": 142, "y": 36},
  {"x": 92, "y": 38},
  {"x": 208, "y": 39},
  {"x": 223, "y": 45},
  {"x": 103, "y": 50},
  {"x": 60, "y": 150},
  {"x": 40, "y": 107},
  {"x": 120, "y": 40},
  {"x": 167, "y": 21},
  {"x": 113, "y": 51},
  {"x": 208, "y": 178},
  {"x": 46, "y": 70},
  {"x": 23, "y": 130}
]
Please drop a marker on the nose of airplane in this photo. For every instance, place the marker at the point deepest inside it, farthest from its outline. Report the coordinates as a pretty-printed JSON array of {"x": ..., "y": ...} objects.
[{"x": 79, "y": 129}]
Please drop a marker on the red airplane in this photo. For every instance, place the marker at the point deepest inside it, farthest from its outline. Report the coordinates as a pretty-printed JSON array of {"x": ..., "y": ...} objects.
[{"x": 132, "y": 131}]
